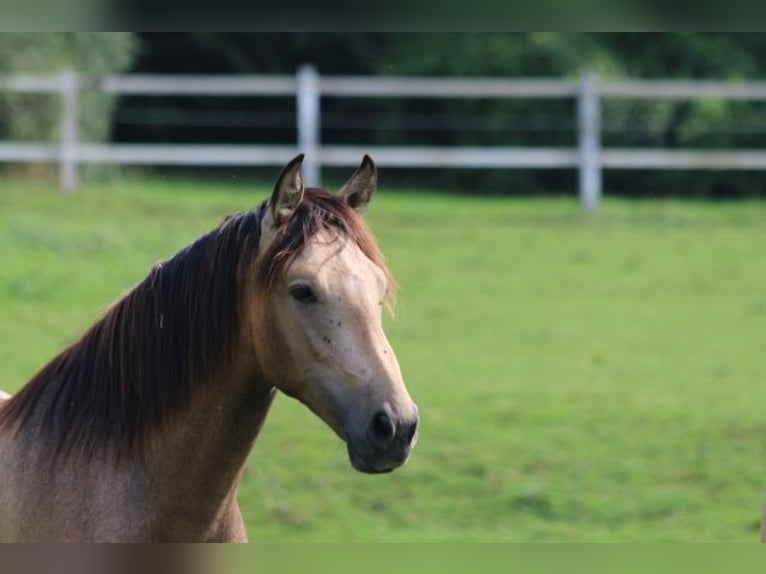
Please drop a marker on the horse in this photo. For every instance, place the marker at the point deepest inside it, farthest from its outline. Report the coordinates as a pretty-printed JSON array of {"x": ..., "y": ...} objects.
[{"x": 139, "y": 431}]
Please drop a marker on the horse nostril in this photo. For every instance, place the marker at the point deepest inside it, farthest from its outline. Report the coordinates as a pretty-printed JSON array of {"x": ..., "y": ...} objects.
[
  {"x": 382, "y": 430},
  {"x": 411, "y": 430}
]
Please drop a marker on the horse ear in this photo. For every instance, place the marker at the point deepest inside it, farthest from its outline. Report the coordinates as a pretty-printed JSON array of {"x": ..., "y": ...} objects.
[
  {"x": 358, "y": 190},
  {"x": 288, "y": 191}
]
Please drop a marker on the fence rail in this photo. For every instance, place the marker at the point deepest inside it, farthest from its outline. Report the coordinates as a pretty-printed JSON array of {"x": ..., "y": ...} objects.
[{"x": 308, "y": 88}]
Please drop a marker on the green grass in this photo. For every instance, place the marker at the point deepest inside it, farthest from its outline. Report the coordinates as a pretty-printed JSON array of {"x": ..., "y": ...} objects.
[{"x": 579, "y": 378}]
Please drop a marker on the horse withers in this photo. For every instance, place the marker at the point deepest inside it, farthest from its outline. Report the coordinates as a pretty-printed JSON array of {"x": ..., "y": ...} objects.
[{"x": 139, "y": 431}]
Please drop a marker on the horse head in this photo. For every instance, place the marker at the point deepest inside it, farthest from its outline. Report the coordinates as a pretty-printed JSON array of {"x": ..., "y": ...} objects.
[{"x": 317, "y": 327}]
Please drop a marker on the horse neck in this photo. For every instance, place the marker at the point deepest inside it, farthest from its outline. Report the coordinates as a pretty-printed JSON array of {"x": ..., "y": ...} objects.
[
  {"x": 222, "y": 420},
  {"x": 196, "y": 462}
]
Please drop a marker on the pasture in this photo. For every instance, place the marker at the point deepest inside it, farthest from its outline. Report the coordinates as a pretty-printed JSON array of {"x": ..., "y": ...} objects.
[{"x": 580, "y": 378}]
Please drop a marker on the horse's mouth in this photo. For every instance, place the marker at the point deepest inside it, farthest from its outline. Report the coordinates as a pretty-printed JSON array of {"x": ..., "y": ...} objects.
[{"x": 365, "y": 465}]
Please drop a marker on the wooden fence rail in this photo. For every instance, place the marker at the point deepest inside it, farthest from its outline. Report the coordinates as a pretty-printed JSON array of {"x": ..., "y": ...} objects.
[{"x": 308, "y": 88}]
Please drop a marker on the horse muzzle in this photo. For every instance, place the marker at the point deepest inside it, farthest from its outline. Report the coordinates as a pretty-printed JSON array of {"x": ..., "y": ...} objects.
[{"x": 387, "y": 443}]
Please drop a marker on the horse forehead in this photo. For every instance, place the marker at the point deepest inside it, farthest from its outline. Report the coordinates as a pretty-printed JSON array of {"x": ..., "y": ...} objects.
[{"x": 333, "y": 258}]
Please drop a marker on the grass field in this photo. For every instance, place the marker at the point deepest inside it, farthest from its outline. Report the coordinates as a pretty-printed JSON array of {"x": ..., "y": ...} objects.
[{"x": 579, "y": 378}]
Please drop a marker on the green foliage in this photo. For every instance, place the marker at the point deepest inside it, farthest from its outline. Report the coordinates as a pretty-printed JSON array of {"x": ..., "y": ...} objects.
[
  {"x": 497, "y": 54},
  {"x": 627, "y": 123},
  {"x": 490, "y": 122},
  {"x": 36, "y": 118},
  {"x": 579, "y": 378}
]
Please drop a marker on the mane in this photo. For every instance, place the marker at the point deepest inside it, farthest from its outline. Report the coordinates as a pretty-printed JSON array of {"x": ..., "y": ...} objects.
[
  {"x": 168, "y": 337},
  {"x": 150, "y": 351}
]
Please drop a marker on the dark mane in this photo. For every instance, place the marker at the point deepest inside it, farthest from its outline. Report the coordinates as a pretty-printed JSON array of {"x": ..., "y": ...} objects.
[
  {"x": 143, "y": 359},
  {"x": 168, "y": 336}
]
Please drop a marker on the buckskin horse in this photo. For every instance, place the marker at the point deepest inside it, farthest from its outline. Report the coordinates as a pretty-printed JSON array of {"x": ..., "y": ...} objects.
[{"x": 139, "y": 431}]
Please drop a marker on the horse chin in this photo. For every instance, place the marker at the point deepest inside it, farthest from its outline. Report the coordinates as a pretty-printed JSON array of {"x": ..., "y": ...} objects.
[{"x": 367, "y": 466}]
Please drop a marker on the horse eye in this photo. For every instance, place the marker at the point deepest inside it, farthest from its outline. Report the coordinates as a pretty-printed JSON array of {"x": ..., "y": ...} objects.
[{"x": 303, "y": 294}]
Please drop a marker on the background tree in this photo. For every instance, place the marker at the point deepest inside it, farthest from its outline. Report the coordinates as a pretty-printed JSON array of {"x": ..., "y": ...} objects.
[
  {"x": 626, "y": 123},
  {"x": 36, "y": 117}
]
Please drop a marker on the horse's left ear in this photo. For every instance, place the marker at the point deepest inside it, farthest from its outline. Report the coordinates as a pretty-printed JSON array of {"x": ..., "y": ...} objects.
[
  {"x": 288, "y": 191},
  {"x": 359, "y": 188}
]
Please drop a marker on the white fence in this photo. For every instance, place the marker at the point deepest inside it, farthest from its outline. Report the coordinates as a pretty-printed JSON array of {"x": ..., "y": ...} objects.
[{"x": 308, "y": 88}]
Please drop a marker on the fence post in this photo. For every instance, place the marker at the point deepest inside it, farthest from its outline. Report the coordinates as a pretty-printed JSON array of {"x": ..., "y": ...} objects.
[
  {"x": 68, "y": 129},
  {"x": 307, "y": 95},
  {"x": 588, "y": 119}
]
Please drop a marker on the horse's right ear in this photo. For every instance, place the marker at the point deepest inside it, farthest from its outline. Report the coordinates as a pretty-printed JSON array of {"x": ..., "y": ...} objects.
[
  {"x": 358, "y": 190},
  {"x": 288, "y": 192}
]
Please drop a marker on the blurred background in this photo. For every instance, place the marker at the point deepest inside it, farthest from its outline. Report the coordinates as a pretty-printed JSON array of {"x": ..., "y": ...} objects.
[
  {"x": 583, "y": 374},
  {"x": 643, "y": 122}
]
